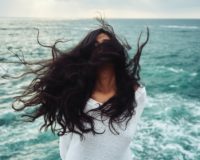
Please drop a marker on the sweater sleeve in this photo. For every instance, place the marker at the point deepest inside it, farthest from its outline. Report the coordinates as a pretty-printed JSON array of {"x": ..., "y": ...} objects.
[
  {"x": 64, "y": 142},
  {"x": 141, "y": 99}
]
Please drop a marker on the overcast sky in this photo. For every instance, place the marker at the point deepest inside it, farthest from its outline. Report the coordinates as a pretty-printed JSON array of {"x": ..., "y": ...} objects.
[{"x": 110, "y": 8}]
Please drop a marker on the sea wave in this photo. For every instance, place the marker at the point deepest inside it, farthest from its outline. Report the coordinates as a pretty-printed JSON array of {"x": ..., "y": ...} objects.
[
  {"x": 7, "y": 119},
  {"x": 16, "y": 28},
  {"x": 179, "y": 26},
  {"x": 178, "y": 70},
  {"x": 172, "y": 69}
]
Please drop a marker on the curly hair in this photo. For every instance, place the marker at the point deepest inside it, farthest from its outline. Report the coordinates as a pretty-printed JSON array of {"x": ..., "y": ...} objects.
[{"x": 63, "y": 84}]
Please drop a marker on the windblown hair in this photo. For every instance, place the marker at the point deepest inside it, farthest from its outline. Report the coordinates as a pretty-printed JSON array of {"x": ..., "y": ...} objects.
[{"x": 63, "y": 84}]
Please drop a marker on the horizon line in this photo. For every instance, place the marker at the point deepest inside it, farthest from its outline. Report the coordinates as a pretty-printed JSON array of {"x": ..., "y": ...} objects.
[{"x": 90, "y": 18}]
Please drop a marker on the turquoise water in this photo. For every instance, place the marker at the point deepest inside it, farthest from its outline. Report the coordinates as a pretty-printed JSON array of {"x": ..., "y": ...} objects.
[{"x": 170, "y": 124}]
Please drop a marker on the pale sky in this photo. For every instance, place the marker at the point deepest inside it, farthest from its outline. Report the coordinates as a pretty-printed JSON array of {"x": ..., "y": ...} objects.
[{"x": 73, "y": 9}]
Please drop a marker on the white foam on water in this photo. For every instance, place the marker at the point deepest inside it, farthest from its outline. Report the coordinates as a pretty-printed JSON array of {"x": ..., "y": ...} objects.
[
  {"x": 173, "y": 86},
  {"x": 172, "y": 69},
  {"x": 194, "y": 74},
  {"x": 166, "y": 126},
  {"x": 175, "y": 70}
]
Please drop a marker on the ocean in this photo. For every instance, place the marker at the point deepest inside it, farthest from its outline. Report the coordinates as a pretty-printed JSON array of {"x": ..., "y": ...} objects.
[{"x": 170, "y": 69}]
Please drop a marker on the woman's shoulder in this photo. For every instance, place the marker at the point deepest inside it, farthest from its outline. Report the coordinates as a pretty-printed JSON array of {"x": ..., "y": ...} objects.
[
  {"x": 139, "y": 89},
  {"x": 141, "y": 93}
]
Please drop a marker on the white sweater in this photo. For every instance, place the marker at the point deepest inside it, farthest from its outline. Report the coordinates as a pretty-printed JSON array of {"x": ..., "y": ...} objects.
[{"x": 105, "y": 146}]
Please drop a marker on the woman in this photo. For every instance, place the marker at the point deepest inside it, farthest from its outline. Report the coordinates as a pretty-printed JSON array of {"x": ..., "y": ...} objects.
[{"x": 92, "y": 91}]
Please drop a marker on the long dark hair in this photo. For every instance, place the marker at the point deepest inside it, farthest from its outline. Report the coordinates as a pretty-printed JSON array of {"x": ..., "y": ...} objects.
[{"x": 63, "y": 84}]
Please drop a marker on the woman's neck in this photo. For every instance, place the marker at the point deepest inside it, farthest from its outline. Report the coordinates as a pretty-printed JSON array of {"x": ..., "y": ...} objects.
[{"x": 106, "y": 80}]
